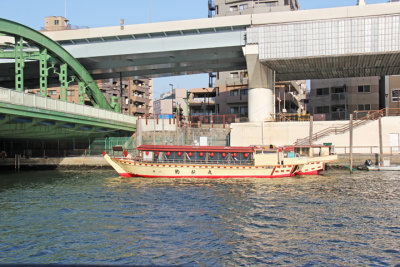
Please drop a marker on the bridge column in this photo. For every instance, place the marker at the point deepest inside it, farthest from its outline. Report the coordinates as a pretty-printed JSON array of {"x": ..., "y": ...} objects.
[
  {"x": 260, "y": 97},
  {"x": 63, "y": 81},
  {"x": 82, "y": 92},
  {"x": 44, "y": 72},
  {"x": 19, "y": 64}
]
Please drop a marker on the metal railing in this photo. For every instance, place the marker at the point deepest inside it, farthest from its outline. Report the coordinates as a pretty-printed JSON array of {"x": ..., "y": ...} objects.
[
  {"x": 279, "y": 117},
  {"x": 387, "y": 150},
  {"x": 341, "y": 129},
  {"x": 387, "y": 112},
  {"x": 30, "y": 100},
  {"x": 185, "y": 162},
  {"x": 195, "y": 121}
]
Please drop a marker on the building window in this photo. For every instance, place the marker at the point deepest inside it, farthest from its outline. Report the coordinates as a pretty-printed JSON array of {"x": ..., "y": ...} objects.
[
  {"x": 364, "y": 107},
  {"x": 234, "y": 92},
  {"x": 52, "y": 92},
  {"x": 271, "y": 4},
  {"x": 243, "y": 7},
  {"x": 234, "y": 75},
  {"x": 234, "y": 110},
  {"x": 338, "y": 108},
  {"x": 322, "y": 110},
  {"x": 364, "y": 89},
  {"x": 322, "y": 91},
  {"x": 395, "y": 95},
  {"x": 338, "y": 90},
  {"x": 70, "y": 93},
  {"x": 244, "y": 92},
  {"x": 233, "y": 8},
  {"x": 56, "y": 22},
  {"x": 243, "y": 111}
]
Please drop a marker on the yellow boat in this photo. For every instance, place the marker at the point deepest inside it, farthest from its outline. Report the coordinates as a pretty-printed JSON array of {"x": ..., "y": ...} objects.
[{"x": 155, "y": 161}]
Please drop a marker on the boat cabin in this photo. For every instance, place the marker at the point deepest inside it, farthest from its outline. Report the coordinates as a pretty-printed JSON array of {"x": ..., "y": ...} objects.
[
  {"x": 197, "y": 154},
  {"x": 256, "y": 156}
]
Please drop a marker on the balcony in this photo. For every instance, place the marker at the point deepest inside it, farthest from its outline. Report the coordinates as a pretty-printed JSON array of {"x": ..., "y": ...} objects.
[
  {"x": 338, "y": 98},
  {"x": 237, "y": 99},
  {"x": 200, "y": 100},
  {"x": 236, "y": 81},
  {"x": 141, "y": 89},
  {"x": 138, "y": 110},
  {"x": 140, "y": 99}
]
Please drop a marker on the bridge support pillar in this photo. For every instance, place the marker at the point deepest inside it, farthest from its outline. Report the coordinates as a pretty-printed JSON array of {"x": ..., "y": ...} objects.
[
  {"x": 63, "y": 81},
  {"x": 19, "y": 64},
  {"x": 82, "y": 92},
  {"x": 44, "y": 72},
  {"x": 261, "y": 84}
]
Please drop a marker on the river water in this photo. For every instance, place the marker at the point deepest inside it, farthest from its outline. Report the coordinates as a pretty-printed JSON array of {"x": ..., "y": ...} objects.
[{"x": 96, "y": 217}]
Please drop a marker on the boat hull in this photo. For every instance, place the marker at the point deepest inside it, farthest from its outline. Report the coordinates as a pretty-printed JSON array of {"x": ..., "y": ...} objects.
[{"x": 132, "y": 168}]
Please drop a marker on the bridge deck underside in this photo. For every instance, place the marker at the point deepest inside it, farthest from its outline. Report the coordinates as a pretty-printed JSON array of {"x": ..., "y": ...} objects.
[
  {"x": 168, "y": 63},
  {"x": 335, "y": 67},
  {"x": 21, "y": 122}
]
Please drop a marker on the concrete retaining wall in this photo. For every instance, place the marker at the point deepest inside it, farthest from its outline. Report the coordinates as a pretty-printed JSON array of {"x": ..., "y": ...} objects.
[{"x": 366, "y": 137}]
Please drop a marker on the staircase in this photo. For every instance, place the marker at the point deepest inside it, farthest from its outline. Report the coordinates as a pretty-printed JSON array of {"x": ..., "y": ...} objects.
[{"x": 341, "y": 129}]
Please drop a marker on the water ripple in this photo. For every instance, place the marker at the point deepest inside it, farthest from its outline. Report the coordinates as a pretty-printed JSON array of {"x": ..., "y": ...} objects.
[{"x": 97, "y": 218}]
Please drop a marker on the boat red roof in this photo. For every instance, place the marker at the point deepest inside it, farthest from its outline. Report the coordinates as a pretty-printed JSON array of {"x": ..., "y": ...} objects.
[{"x": 167, "y": 148}]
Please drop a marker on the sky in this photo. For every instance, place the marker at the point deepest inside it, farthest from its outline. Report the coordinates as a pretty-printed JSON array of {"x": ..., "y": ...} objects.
[{"x": 102, "y": 13}]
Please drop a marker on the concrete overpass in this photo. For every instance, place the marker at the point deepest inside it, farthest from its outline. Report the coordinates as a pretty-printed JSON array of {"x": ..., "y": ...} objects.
[
  {"x": 324, "y": 43},
  {"x": 353, "y": 41}
]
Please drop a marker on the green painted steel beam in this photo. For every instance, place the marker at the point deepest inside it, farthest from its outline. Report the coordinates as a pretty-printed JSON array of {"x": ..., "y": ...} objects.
[
  {"x": 30, "y": 112},
  {"x": 82, "y": 92},
  {"x": 63, "y": 81},
  {"x": 43, "y": 71},
  {"x": 21, "y": 32},
  {"x": 6, "y": 119},
  {"x": 34, "y": 130},
  {"x": 19, "y": 64}
]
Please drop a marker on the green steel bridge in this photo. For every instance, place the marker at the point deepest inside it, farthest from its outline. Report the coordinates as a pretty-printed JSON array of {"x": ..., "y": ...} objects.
[
  {"x": 27, "y": 116},
  {"x": 38, "y": 125}
]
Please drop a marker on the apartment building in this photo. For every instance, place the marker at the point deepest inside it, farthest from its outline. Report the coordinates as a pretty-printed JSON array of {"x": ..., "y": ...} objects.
[
  {"x": 241, "y": 7},
  {"x": 202, "y": 101},
  {"x": 336, "y": 99},
  {"x": 133, "y": 96},
  {"x": 231, "y": 88},
  {"x": 55, "y": 23},
  {"x": 172, "y": 102}
]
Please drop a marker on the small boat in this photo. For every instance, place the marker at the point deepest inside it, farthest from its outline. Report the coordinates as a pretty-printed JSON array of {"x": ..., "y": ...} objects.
[
  {"x": 383, "y": 168},
  {"x": 163, "y": 161}
]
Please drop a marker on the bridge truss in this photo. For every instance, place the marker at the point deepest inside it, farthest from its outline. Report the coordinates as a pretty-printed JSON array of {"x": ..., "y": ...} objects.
[{"x": 31, "y": 45}]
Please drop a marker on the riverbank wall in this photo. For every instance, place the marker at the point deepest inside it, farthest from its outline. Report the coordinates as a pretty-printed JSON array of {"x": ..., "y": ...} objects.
[
  {"x": 365, "y": 137},
  {"x": 99, "y": 162}
]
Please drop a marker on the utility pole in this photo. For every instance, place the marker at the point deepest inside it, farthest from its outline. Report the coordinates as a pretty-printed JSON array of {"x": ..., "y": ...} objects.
[
  {"x": 150, "y": 11},
  {"x": 380, "y": 143},
  {"x": 351, "y": 143},
  {"x": 360, "y": 2}
]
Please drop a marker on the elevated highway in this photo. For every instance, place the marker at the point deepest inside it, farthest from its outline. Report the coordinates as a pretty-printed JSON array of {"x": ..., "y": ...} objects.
[
  {"x": 365, "y": 38},
  {"x": 326, "y": 43}
]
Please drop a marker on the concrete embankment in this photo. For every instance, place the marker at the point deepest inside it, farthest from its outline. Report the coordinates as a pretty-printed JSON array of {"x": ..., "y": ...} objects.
[
  {"x": 99, "y": 162},
  {"x": 55, "y": 163},
  {"x": 359, "y": 159}
]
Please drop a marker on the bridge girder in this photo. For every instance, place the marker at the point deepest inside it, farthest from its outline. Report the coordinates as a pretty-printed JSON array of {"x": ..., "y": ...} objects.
[{"x": 70, "y": 68}]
